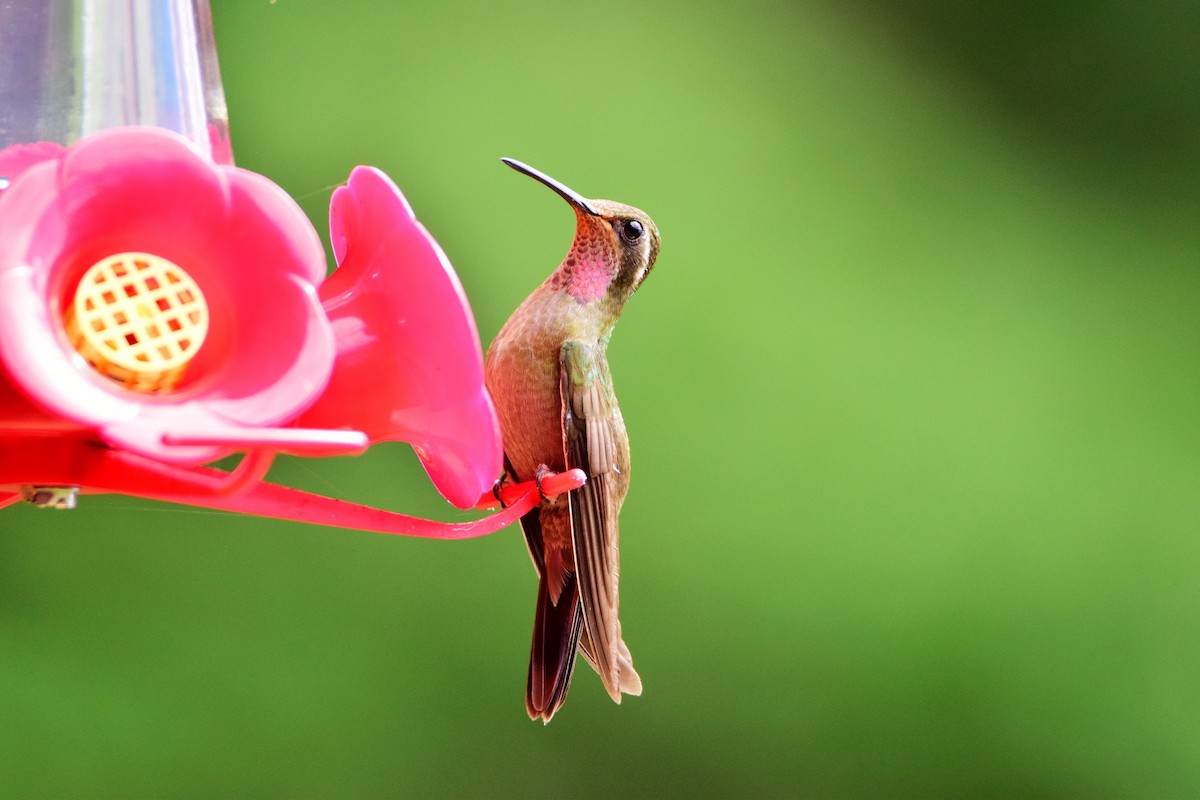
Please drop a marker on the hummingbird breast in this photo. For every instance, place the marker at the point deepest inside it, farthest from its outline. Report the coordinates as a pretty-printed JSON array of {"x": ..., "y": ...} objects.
[
  {"x": 523, "y": 383},
  {"x": 522, "y": 375}
]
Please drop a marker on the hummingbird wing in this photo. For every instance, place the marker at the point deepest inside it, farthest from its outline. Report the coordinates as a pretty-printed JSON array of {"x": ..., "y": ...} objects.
[
  {"x": 631, "y": 682},
  {"x": 594, "y": 441}
]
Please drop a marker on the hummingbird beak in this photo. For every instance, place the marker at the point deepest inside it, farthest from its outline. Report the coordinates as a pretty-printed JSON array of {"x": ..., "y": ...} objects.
[{"x": 572, "y": 197}]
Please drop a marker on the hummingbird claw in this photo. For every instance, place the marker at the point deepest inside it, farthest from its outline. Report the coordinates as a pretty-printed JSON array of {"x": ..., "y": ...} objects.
[
  {"x": 542, "y": 472},
  {"x": 496, "y": 487}
]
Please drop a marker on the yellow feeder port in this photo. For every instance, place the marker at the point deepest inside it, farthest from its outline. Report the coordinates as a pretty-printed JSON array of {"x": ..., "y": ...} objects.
[{"x": 138, "y": 319}]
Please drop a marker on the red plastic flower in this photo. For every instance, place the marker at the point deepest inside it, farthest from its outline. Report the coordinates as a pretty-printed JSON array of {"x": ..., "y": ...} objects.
[
  {"x": 169, "y": 306},
  {"x": 126, "y": 198},
  {"x": 409, "y": 364}
]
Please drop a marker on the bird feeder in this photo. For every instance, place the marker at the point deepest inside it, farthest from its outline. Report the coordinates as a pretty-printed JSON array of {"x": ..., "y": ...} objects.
[{"x": 161, "y": 308}]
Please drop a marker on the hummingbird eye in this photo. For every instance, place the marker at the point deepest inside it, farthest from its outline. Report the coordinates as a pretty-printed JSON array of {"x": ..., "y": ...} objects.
[{"x": 631, "y": 230}]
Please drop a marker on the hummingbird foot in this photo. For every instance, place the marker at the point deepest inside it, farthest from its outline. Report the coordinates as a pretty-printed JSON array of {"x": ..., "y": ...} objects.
[
  {"x": 507, "y": 490},
  {"x": 498, "y": 489},
  {"x": 543, "y": 472}
]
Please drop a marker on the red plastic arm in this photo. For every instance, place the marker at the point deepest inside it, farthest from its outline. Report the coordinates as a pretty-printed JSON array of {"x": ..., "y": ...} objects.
[
  {"x": 555, "y": 483},
  {"x": 281, "y": 502},
  {"x": 98, "y": 469}
]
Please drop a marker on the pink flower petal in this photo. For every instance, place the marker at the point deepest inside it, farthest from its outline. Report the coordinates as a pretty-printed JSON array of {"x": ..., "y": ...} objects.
[
  {"x": 409, "y": 364},
  {"x": 19, "y": 157},
  {"x": 242, "y": 239}
]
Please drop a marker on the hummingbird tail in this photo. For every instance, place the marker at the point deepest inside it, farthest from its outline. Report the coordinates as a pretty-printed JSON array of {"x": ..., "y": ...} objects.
[
  {"x": 625, "y": 680},
  {"x": 556, "y": 630}
]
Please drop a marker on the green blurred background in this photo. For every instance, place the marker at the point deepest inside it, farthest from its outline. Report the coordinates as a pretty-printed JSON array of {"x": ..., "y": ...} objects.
[{"x": 912, "y": 394}]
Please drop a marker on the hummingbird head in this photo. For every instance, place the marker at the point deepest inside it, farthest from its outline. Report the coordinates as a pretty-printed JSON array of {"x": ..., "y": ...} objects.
[{"x": 614, "y": 249}]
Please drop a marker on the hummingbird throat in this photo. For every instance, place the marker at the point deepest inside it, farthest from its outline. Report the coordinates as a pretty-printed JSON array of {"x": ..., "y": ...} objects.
[{"x": 588, "y": 269}]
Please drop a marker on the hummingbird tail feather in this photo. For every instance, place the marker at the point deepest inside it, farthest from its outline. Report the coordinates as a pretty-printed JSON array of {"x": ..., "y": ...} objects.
[
  {"x": 626, "y": 679},
  {"x": 630, "y": 681},
  {"x": 556, "y": 631}
]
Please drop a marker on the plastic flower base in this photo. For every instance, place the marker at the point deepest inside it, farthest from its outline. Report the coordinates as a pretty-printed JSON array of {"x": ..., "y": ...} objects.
[{"x": 159, "y": 311}]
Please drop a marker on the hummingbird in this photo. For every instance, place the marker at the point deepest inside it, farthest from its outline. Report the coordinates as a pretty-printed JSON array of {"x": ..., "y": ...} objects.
[{"x": 548, "y": 375}]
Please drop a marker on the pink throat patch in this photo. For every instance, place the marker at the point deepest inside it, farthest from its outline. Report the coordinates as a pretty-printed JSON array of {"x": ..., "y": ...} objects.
[
  {"x": 590, "y": 266},
  {"x": 588, "y": 280}
]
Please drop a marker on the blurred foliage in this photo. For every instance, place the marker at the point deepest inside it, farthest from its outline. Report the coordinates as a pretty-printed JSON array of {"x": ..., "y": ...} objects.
[{"x": 912, "y": 395}]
